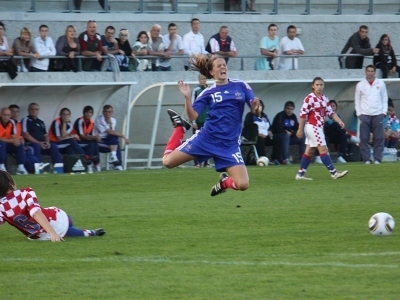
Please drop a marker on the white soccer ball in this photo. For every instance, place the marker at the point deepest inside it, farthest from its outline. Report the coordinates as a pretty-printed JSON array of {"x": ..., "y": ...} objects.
[
  {"x": 381, "y": 224},
  {"x": 263, "y": 161}
]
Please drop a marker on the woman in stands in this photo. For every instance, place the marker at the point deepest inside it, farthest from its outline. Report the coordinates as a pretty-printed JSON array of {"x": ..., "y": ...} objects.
[
  {"x": 315, "y": 108},
  {"x": 68, "y": 45},
  {"x": 386, "y": 59},
  {"x": 23, "y": 46},
  {"x": 219, "y": 137}
]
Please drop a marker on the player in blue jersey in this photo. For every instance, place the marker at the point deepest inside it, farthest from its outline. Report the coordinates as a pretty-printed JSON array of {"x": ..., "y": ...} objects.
[{"x": 220, "y": 135}]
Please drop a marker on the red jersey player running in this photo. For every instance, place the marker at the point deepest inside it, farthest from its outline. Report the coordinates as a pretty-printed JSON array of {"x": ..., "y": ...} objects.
[
  {"x": 21, "y": 209},
  {"x": 314, "y": 109}
]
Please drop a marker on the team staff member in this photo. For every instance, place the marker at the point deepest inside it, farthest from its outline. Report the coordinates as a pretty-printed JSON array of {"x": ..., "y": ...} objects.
[
  {"x": 83, "y": 127},
  {"x": 371, "y": 103},
  {"x": 35, "y": 135}
]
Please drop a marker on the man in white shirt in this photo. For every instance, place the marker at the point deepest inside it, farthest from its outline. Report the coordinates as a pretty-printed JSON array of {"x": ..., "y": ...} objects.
[
  {"x": 290, "y": 45},
  {"x": 371, "y": 104},
  {"x": 45, "y": 47},
  {"x": 104, "y": 126},
  {"x": 193, "y": 43},
  {"x": 173, "y": 45}
]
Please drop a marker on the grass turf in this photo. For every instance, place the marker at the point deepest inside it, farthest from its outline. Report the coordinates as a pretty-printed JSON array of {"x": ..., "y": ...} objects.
[{"x": 168, "y": 239}]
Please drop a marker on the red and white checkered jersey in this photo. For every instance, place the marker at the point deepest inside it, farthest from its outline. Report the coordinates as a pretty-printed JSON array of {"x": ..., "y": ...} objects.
[
  {"x": 18, "y": 207},
  {"x": 315, "y": 109}
]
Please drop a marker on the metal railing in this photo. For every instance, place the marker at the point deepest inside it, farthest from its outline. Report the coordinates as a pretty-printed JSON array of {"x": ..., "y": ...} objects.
[
  {"x": 212, "y": 7},
  {"x": 241, "y": 64}
]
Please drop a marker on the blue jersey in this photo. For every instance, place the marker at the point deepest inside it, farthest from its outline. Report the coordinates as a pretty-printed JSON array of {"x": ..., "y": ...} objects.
[{"x": 226, "y": 103}]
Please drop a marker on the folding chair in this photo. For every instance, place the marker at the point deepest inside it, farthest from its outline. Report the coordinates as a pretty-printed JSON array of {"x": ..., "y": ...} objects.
[{"x": 249, "y": 137}]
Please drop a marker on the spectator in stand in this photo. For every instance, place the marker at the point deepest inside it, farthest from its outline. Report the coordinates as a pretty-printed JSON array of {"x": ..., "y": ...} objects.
[
  {"x": 68, "y": 45},
  {"x": 30, "y": 158},
  {"x": 201, "y": 119},
  {"x": 269, "y": 47},
  {"x": 60, "y": 133},
  {"x": 77, "y": 4},
  {"x": 123, "y": 44},
  {"x": 173, "y": 45},
  {"x": 156, "y": 47},
  {"x": 193, "y": 43},
  {"x": 358, "y": 43},
  {"x": 104, "y": 125},
  {"x": 23, "y": 46},
  {"x": 91, "y": 46},
  {"x": 6, "y": 53},
  {"x": 284, "y": 128},
  {"x": 142, "y": 48},
  {"x": 10, "y": 143},
  {"x": 265, "y": 135},
  {"x": 386, "y": 59},
  {"x": 222, "y": 44},
  {"x": 290, "y": 45},
  {"x": 371, "y": 103},
  {"x": 35, "y": 135},
  {"x": 111, "y": 49},
  {"x": 45, "y": 47},
  {"x": 83, "y": 127}
]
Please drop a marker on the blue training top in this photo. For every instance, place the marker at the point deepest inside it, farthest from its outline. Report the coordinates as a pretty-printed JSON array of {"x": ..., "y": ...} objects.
[{"x": 226, "y": 103}]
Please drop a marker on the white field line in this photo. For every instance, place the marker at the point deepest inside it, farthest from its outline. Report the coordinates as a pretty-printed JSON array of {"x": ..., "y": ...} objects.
[{"x": 165, "y": 260}]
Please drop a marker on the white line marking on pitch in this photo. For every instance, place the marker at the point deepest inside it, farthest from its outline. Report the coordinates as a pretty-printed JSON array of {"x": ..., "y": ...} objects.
[{"x": 199, "y": 262}]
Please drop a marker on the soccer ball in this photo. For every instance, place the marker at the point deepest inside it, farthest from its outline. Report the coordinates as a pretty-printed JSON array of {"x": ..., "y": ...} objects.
[
  {"x": 381, "y": 224},
  {"x": 263, "y": 161}
]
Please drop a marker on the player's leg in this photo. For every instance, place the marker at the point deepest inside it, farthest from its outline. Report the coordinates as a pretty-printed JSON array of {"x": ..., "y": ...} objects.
[
  {"x": 327, "y": 161},
  {"x": 173, "y": 157},
  {"x": 312, "y": 140},
  {"x": 77, "y": 232}
]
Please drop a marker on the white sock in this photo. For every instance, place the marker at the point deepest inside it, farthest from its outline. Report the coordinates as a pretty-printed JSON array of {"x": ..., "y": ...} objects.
[
  {"x": 114, "y": 153},
  {"x": 2, "y": 166},
  {"x": 21, "y": 166}
]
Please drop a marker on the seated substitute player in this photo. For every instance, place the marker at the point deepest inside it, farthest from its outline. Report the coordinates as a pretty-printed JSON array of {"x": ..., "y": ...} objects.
[
  {"x": 104, "y": 125},
  {"x": 61, "y": 134},
  {"x": 314, "y": 109},
  {"x": 219, "y": 137},
  {"x": 21, "y": 209},
  {"x": 10, "y": 143},
  {"x": 83, "y": 127}
]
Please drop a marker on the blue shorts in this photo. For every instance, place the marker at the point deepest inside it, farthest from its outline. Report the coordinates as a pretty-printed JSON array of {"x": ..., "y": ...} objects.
[{"x": 225, "y": 154}]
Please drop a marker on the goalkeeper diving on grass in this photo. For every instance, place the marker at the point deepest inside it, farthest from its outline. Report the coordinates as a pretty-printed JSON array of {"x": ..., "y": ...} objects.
[{"x": 219, "y": 138}]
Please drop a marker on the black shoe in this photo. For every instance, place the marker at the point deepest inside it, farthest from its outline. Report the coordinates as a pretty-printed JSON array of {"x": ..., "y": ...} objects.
[
  {"x": 217, "y": 188},
  {"x": 99, "y": 232},
  {"x": 177, "y": 120}
]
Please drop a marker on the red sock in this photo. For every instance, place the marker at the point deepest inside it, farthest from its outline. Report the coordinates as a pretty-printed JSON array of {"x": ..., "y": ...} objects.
[
  {"x": 175, "y": 140},
  {"x": 228, "y": 183}
]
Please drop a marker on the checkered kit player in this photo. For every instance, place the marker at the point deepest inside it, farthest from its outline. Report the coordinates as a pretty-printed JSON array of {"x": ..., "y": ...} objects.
[
  {"x": 312, "y": 118},
  {"x": 21, "y": 209},
  {"x": 219, "y": 137}
]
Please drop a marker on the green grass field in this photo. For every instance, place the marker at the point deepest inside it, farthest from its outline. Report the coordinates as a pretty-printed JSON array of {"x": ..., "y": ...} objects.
[{"x": 168, "y": 239}]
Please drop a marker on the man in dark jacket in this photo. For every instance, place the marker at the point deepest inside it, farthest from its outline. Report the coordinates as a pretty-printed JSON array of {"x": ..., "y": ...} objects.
[
  {"x": 284, "y": 128},
  {"x": 358, "y": 43},
  {"x": 222, "y": 44}
]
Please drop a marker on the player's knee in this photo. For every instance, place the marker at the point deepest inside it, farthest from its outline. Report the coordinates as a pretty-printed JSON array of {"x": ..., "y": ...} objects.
[
  {"x": 167, "y": 162},
  {"x": 242, "y": 186}
]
